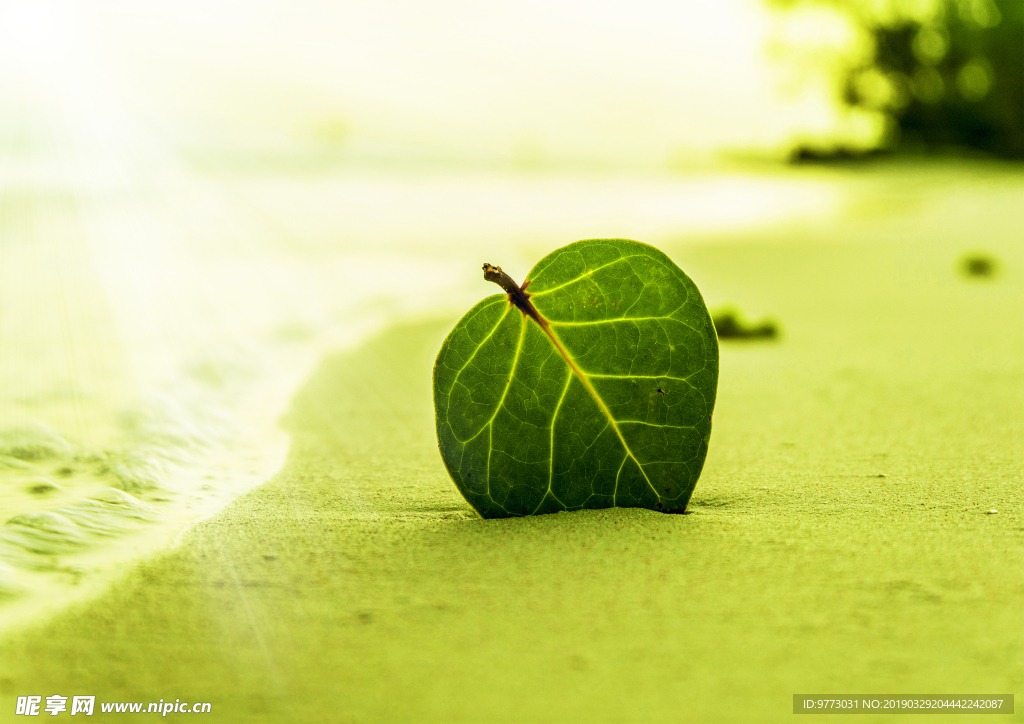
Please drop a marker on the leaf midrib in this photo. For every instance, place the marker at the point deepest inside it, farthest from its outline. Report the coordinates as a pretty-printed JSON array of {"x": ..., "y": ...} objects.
[{"x": 546, "y": 328}]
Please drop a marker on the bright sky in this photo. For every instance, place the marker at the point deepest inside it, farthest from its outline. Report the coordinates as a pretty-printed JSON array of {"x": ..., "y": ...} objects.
[{"x": 587, "y": 79}]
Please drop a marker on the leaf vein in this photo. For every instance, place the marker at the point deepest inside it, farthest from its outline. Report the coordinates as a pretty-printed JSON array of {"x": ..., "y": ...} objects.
[
  {"x": 551, "y": 458},
  {"x": 584, "y": 275},
  {"x": 478, "y": 347},
  {"x": 501, "y": 402},
  {"x": 597, "y": 398}
]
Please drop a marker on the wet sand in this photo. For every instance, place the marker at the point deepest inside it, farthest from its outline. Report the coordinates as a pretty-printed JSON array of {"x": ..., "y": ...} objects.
[{"x": 839, "y": 540}]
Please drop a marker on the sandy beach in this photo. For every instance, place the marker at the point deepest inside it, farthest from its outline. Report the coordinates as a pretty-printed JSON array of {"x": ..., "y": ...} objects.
[{"x": 858, "y": 528}]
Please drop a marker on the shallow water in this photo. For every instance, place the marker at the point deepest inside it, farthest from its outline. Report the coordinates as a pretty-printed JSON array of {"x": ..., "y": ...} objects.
[{"x": 157, "y": 314}]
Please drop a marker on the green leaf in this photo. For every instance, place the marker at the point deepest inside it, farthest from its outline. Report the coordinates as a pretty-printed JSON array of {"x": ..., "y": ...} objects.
[{"x": 591, "y": 388}]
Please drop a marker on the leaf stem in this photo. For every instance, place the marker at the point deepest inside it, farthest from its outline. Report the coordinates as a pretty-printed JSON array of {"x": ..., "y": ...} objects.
[{"x": 516, "y": 294}]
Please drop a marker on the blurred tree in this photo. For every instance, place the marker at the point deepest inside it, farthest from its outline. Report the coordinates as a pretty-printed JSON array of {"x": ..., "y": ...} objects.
[{"x": 948, "y": 73}]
